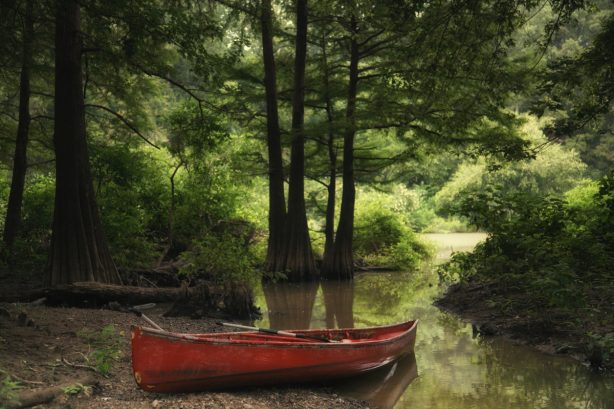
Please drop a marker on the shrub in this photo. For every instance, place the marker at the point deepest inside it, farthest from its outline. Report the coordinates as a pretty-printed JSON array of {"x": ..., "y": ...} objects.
[
  {"x": 223, "y": 257},
  {"x": 382, "y": 236},
  {"x": 558, "y": 251}
]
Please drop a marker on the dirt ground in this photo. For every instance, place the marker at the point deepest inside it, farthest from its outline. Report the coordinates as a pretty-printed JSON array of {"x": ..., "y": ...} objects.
[{"x": 43, "y": 346}]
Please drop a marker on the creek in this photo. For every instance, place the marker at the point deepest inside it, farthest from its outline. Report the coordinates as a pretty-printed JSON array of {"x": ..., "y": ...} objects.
[{"x": 452, "y": 368}]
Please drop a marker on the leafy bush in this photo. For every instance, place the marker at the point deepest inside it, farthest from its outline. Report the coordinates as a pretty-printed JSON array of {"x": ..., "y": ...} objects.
[
  {"x": 224, "y": 257},
  {"x": 557, "y": 252},
  {"x": 381, "y": 236},
  {"x": 133, "y": 196}
]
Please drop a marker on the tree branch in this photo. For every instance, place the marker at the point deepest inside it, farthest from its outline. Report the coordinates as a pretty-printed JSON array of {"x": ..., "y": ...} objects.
[{"x": 125, "y": 121}]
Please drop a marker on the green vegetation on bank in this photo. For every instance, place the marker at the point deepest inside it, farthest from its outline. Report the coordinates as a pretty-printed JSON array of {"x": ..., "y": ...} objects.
[{"x": 548, "y": 258}]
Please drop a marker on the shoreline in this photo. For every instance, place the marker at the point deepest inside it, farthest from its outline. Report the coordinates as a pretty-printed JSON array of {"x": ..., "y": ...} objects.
[
  {"x": 470, "y": 303},
  {"x": 42, "y": 346}
]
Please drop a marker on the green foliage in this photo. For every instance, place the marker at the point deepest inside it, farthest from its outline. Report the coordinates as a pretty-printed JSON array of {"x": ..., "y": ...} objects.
[
  {"x": 105, "y": 348},
  {"x": 132, "y": 193},
  {"x": 557, "y": 252},
  {"x": 554, "y": 170},
  {"x": 382, "y": 236},
  {"x": 224, "y": 257},
  {"x": 76, "y": 389},
  {"x": 8, "y": 392},
  {"x": 37, "y": 212}
]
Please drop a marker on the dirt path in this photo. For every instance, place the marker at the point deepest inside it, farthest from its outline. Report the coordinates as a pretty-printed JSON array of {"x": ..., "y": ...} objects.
[{"x": 39, "y": 344}]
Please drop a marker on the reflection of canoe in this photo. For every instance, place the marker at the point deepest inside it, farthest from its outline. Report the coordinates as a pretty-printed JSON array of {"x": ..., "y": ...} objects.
[
  {"x": 384, "y": 386},
  {"x": 170, "y": 362}
]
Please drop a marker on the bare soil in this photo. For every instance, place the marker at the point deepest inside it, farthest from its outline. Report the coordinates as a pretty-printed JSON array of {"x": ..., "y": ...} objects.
[{"x": 42, "y": 346}]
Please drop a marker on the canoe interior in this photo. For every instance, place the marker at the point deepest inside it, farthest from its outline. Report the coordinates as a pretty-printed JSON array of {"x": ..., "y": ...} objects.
[{"x": 344, "y": 335}]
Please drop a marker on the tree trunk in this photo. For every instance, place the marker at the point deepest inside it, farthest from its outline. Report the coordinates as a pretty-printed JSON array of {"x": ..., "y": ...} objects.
[
  {"x": 79, "y": 251},
  {"x": 13, "y": 211},
  {"x": 299, "y": 262},
  {"x": 342, "y": 267},
  {"x": 329, "y": 227},
  {"x": 277, "y": 200}
]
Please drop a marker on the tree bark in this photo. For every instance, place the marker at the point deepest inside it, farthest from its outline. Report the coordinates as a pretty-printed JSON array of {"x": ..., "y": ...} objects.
[
  {"x": 342, "y": 266},
  {"x": 299, "y": 261},
  {"x": 79, "y": 251},
  {"x": 13, "y": 212},
  {"x": 277, "y": 200},
  {"x": 329, "y": 227}
]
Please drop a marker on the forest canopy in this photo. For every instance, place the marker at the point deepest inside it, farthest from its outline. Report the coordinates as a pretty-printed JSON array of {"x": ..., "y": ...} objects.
[{"x": 284, "y": 139}]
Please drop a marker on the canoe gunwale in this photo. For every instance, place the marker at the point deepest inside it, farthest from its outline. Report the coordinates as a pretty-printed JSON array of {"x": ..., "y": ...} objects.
[{"x": 217, "y": 340}]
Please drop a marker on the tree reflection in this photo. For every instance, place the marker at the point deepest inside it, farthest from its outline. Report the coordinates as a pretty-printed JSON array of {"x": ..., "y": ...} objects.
[
  {"x": 339, "y": 303},
  {"x": 290, "y": 305}
]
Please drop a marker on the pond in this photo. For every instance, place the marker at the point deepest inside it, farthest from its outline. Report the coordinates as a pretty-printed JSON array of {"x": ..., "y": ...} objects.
[{"x": 452, "y": 367}]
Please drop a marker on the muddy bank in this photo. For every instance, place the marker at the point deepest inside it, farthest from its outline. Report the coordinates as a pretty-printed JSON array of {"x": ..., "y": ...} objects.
[
  {"x": 489, "y": 308},
  {"x": 47, "y": 346}
]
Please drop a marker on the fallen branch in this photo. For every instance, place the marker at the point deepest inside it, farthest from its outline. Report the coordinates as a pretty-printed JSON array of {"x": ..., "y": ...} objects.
[
  {"x": 44, "y": 395},
  {"x": 91, "y": 368}
]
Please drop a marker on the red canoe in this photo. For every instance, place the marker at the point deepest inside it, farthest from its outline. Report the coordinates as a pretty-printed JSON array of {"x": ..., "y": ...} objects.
[{"x": 171, "y": 362}]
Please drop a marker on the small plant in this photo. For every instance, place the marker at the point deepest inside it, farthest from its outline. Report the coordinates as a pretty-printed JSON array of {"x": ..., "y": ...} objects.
[
  {"x": 106, "y": 346},
  {"x": 76, "y": 389},
  {"x": 8, "y": 392}
]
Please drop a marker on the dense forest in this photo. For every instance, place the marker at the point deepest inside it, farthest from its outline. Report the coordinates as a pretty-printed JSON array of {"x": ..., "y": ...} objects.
[{"x": 244, "y": 140}]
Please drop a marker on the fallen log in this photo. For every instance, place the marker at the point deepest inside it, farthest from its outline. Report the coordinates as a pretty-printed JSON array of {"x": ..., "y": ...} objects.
[
  {"x": 235, "y": 300},
  {"x": 92, "y": 294},
  {"x": 40, "y": 396}
]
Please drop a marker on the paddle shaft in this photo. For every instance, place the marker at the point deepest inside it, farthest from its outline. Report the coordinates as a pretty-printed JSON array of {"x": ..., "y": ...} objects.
[
  {"x": 137, "y": 310},
  {"x": 277, "y": 332}
]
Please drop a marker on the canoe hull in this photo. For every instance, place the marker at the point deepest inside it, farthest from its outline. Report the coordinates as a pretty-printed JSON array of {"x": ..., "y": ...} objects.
[{"x": 166, "y": 362}]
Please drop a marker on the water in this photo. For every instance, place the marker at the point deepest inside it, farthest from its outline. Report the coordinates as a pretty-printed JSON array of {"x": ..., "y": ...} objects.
[{"x": 452, "y": 368}]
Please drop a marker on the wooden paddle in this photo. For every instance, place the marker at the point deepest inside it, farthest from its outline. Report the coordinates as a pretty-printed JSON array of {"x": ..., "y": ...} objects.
[
  {"x": 137, "y": 310},
  {"x": 277, "y": 332}
]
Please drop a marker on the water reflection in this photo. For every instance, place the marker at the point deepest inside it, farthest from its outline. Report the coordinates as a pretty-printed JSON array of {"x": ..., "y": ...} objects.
[
  {"x": 290, "y": 305},
  {"x": 383, "y": 386},
  {"x": 457, "y": 370},
  {"x": 338, "y": 303}
]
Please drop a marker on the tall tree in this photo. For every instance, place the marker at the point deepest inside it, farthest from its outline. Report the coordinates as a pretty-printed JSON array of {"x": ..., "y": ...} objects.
[
  {"x": 79, "y": 251},
  {"x": 432, "y": 73},
  {"x": 331, "y": 188},
  {"x": 299, "y": 260},
  {"x": 341, "y": 264},
  {"x": 277, "y": 201},
  {"x": 13, "y": 212}
]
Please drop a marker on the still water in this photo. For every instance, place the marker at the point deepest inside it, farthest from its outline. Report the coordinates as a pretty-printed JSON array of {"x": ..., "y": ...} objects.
[{"x": 451, "y": 368}]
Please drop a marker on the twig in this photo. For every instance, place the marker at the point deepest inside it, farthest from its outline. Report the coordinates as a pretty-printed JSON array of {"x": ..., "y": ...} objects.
[{"x": 91, "y": 368}]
